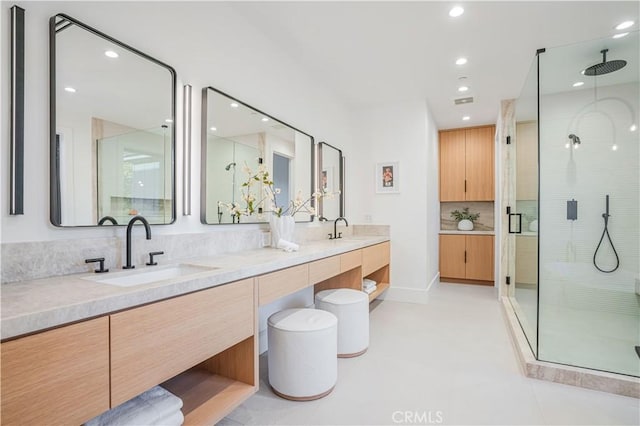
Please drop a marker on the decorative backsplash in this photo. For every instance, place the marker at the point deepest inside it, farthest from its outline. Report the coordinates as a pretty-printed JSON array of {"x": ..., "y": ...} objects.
[
  {"x": 484, "y": 223},
  {"x": 41, "y": 259}
]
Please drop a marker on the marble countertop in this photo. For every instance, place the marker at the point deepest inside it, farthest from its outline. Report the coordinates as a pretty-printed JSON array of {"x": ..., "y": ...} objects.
[
  {"x": 31, "y": 306},
  {"x": 454, "y": 232}
]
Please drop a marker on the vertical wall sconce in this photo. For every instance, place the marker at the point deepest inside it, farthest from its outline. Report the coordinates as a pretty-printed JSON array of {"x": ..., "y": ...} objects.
[
  {"x": 186, "y": 151},
  {"x": 16, "y": 192}
]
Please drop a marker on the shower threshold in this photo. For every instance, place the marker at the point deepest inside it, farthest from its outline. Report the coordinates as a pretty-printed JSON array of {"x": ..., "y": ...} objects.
[{"x": 582, "y": 377}]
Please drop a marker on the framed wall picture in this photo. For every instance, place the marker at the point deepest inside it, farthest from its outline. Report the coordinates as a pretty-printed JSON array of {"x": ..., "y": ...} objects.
[{"x": 388, "y": 178}]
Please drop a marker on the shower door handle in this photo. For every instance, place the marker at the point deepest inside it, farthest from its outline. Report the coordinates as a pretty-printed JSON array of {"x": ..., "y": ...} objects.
[{"x": 519, "y": 229}]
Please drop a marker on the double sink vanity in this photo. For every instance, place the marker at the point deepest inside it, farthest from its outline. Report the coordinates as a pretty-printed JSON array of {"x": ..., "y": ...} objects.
[{"x": 81, "y": 344}]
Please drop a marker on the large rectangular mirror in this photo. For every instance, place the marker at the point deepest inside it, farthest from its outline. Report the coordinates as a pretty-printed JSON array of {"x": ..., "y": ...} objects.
[
  {"x": 112, "y": 130},
  {"x": 330, "y": 176},
  {"x": 237, "y": 142}
]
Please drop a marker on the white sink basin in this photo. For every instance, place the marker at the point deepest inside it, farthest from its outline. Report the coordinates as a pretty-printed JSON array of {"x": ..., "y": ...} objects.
[{"x": 148, "y": 275}]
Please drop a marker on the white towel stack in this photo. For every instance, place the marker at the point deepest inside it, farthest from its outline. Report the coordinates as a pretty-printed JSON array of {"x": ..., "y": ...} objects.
[
  {"x": 369, "y": 286},
  {"x": 157, "y": 406}
]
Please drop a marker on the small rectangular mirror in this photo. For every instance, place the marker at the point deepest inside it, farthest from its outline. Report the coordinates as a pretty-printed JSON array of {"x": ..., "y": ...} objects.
[
  {"x": 112, "y": 130},
  {"x": 237, "y": 141},
  {"x": 330, "y": 176}
]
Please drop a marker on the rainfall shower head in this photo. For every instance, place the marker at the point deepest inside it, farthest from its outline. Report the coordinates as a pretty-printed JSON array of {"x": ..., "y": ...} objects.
[
  {"x": 229, "y": 166},
  {"x": 575, "y": 139},
  {"x": 605, "y": 67}
]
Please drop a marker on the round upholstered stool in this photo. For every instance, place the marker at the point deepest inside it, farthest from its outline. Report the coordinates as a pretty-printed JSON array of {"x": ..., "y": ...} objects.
[
  {"x": 302, "y": 353},
  {"x": 352, "y": 309}
]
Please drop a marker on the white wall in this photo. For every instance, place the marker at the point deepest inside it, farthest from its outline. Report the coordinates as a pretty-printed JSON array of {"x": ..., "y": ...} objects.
[
  {"x": 403, "y": 132},
  {"x": 208, "y": 44}
]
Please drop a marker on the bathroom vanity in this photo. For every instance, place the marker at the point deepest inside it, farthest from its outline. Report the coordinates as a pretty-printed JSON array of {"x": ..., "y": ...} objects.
[{"x": 66, "y": 362}]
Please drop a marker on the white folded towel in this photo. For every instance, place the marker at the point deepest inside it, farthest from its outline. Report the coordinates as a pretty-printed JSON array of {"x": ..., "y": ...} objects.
[
  {"x": 175, "y": 419},
  {"x": 287, "y": 246},
  {"x": 370, "y": 290},
  {"x": 368, "y": 283},
  {"x": 151, "y": 406}
]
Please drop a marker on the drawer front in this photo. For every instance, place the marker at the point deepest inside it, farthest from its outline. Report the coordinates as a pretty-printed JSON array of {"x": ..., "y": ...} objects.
[
  {"x": 375, "y": 257},
  {"x": 350, "y": 260},
  {"x": 323, "y": 269},
  {"x": 59, "y": 376},
  {"x": 278, "y": 284},
  {"x": 153, "y": 343}
]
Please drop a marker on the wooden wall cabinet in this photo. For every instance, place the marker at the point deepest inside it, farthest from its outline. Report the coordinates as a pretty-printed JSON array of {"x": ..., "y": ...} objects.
[
  {"x": 59, "y": 376},
  {"x": 467, "y": 164},
  {"x": 466, "y": 257}
]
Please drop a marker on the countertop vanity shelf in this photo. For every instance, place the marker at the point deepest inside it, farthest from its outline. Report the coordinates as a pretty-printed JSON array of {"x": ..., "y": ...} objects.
[{"x": 75, "y": 348}]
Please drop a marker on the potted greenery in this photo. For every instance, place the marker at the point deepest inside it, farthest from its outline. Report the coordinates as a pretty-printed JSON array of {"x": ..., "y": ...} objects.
[{"x": 465, "y": 219}]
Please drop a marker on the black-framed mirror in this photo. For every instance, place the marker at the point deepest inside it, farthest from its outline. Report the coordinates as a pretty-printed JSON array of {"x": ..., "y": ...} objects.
[
  {"x": 331, "y": 178},
  {"x": 237, "y": 142},
  {"x": 112, "y": 133}
]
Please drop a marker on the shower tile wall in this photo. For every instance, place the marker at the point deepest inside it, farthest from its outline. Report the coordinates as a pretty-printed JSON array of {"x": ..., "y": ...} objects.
[{"x": 589, "y": 318}]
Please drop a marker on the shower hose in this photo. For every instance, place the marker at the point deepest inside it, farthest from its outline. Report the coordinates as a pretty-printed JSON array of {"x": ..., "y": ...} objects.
[{"x": 606, "y": 232}]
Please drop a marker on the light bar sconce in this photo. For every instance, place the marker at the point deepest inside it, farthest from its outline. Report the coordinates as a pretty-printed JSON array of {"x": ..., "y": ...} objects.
[
  {"x": 186, "y": 151},
  {"x": 16, "y": 192}
]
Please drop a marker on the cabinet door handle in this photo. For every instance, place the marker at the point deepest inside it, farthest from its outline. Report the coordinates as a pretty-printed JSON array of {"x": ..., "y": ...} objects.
[
  {"x": 465, "y": 185},
  {"x": 465, "y": 256}
]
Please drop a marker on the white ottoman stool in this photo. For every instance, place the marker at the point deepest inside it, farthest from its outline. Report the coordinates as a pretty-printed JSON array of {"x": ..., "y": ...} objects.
[
  {"x": 352, "y": 309},
  {"x": 302, "y": 353}
]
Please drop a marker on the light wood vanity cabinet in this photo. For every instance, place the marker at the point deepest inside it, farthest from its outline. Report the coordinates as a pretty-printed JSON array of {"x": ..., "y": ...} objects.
[
  {"x": 59, "y": 376},
  {"x": 156, "y": 342},
  {"x": 467, "y": 164},
  {"x": 466, "y": 257},
  {"x": 277, "y": 284}
]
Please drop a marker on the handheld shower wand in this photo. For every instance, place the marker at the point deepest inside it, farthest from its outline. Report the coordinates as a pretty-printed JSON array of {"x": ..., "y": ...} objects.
[{"x": 606, "y": 216}]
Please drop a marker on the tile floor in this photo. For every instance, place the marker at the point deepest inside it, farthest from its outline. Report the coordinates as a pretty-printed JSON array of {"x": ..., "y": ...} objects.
[{"x": 447, "y": 362}]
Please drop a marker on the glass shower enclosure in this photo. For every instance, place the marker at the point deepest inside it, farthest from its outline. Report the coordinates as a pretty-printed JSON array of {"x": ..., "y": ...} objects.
[{"x": 575, "y": 271}]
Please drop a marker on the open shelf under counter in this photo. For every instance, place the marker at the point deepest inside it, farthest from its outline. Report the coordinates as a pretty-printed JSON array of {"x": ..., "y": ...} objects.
[
  {"x": 207, "y": 398},
  {"x": 381, "y": 288}
]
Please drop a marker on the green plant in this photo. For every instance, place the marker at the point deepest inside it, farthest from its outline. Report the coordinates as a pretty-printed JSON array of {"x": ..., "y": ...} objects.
[{"x": 464, "y": 214}]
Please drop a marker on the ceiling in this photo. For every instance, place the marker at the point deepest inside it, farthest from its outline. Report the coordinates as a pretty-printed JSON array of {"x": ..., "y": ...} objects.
[{"x": 371, "y": 53}]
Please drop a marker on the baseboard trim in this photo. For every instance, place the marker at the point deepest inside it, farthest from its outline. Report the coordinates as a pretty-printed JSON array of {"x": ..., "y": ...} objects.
[{"x": 409, "y": 294}]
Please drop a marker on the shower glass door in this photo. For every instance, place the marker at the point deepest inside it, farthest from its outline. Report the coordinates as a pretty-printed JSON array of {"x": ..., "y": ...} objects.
[
  {"x": 523, "y": 206},
  {"x": 589, "y": 309}
]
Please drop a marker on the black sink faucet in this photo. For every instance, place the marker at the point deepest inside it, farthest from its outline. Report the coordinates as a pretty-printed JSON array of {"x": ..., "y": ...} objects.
[
  {"x": 147, "y": 228},
  {"x": 337, "y": 235}
]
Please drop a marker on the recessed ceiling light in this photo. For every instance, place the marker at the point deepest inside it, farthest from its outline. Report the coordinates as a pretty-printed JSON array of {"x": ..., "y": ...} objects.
[
  {"x": 625, "y": 25},
  {"x": 578, "y": 83},
  {"x": 457, "y": 11},
  {"x": 265, "y": 119},
  {"x": 620, "y": 35},
  {"x": 466, "y": 118},
  {"x": 633, "y": 128},
  {"x": 614, "y": 147},
  {"x": 111, "y": 54},
  {"x": 461, "y": 61},
  {"x": 213, "y": 129},
  {"x": 70, "y": 89},
  {"x": 463, "y": 89},
  {"x": 234, "y": 105},
  {"x": 168, "y": 120}
]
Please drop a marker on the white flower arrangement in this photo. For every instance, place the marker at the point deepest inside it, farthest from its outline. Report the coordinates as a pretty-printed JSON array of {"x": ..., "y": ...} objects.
[{"x": 269, "y": 195}]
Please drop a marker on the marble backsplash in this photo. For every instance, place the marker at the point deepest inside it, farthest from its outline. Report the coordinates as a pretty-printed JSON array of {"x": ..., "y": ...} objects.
[
  {"x": 484, "y": 223},
  {"x": 40, "y": 259}
]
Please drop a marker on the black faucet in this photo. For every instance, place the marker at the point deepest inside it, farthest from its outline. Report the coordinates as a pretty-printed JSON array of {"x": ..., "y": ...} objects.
[
  {"x": 107, "y": 218},
  {"x": 336, "y": 234},
  {"x": 147, "y": 228}
]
